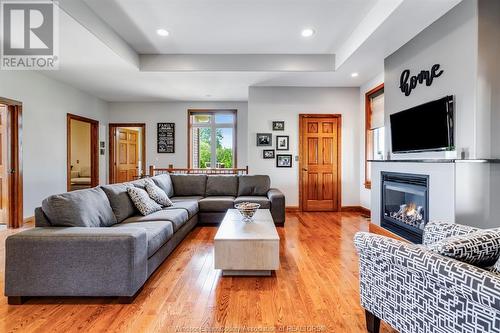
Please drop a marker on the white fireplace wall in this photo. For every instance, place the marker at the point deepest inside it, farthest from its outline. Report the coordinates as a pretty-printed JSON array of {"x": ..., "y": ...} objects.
[
  {"x": 452, "y": 42},
  {"x": 441, "y": 187}
]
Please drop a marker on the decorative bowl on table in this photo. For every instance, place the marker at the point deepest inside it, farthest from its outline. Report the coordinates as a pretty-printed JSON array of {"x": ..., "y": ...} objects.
[{"x": 247, "y": 210}]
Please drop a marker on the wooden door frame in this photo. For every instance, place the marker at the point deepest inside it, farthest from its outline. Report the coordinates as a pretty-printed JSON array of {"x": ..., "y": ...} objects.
[
  {"x": 339, "y": 155},
  {"x": 15, "y": 177},
  {"x": 112, "y": 147},
  {"x": 94, "y": 149},
  {"x": 368, "y": 124}
]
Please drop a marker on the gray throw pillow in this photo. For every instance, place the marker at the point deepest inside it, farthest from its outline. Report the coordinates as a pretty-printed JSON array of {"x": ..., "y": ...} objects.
[
  {"x": 142, "y": 201},
  {"x": 157, "y": 194},
  {"x": 83, "y": 208},
  {"x": 481, "y": 248}
]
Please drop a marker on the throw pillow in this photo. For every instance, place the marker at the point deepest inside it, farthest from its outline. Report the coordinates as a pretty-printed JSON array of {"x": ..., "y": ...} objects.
[
  {"x": 157, "y": 194},
  {"x": 142, "y": 201},
  {"x": 481, "y": 248}
]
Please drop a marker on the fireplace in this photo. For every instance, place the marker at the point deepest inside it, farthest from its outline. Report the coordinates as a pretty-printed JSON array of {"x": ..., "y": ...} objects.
[{"x": 405, "y": 204}]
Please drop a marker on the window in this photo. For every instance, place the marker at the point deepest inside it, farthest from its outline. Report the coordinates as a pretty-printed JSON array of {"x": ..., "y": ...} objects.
[
  {"x": 374, "y": 129},
  {"x": 212, "y": 139}
]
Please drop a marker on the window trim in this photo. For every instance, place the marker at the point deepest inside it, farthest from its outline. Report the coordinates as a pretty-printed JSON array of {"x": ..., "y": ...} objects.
[
  {"x": 213, "y": 112},
  {"x": 368, "y": 138}
]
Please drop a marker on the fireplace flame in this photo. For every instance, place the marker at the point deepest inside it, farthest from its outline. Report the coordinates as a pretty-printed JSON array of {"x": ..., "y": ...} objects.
[{"x": 410, "y": 209}]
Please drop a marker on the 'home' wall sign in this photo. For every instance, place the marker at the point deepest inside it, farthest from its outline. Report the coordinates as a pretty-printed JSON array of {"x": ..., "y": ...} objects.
[{"x": 407, "y": 83}]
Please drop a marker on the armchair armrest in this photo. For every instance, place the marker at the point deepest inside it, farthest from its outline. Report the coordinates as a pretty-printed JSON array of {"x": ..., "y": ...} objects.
[
  {"x": 277, "y": 199},
  {"x": 436, "y": 231},
  {"x": 76, "y": 262},
  {"x": 457, "y": 278}
]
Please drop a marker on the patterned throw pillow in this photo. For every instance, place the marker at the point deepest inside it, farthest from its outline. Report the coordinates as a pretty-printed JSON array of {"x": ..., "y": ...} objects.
[
  {"x": 481, "y": 248},
  {"x": 142, "y": 201},
  {"x": 157, "y": 194}
]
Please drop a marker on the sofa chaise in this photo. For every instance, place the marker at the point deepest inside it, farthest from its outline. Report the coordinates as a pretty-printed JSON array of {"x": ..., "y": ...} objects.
[{"x": 93, "y": 242}]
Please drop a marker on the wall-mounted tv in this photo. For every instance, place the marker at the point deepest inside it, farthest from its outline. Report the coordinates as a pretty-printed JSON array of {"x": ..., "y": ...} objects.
[{"x": 426, "y": 127}]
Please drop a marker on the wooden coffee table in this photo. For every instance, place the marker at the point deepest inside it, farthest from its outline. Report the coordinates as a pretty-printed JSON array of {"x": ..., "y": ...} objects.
[{"x": 247, "y": 248}]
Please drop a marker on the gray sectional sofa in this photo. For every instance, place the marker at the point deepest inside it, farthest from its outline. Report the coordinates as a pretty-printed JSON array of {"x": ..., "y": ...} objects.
[{"x": 94, "y": 242}]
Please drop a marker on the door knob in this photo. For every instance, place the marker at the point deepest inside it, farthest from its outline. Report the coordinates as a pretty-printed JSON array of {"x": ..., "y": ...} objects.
[{"x": 304, "y": 169}]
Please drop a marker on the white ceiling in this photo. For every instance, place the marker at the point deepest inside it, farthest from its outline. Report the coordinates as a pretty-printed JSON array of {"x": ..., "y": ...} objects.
[
  {"x": 99, "y": 52},
  {"x": 232, "y": 26}
]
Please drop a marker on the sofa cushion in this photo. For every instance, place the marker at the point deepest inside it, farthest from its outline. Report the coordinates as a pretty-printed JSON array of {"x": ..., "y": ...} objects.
[
  {"x": 195, "y": 198},
  {"x": 189, "y": 184},
  {"x": 261, "y": 200},
  {"x": 142, "y": 201},
  {"x": 120, "y": 201},
  {"x": 178, "y": 217},
  {"x": 139, "y": 183},
  {"x": 83, "y": 208},
  {"x": 481, "y": 248},
  {"x": 164, "y": 182},
  {"x": 157, "y": 233},
  {"x": 157, "y": 194},
  {"x": 191, "y": 206},
  {"x": 222, "y": 185},
  {"x": 253, "y": 185},
  {"x": 216, "y": 203}
]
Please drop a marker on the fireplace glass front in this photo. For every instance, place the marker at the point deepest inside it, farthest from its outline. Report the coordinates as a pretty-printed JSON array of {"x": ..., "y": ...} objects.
[{"x": 405, "y": 204}]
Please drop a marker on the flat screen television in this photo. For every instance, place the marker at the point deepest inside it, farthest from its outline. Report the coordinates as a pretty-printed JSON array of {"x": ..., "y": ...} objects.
[{"x": 426, "y": 127}]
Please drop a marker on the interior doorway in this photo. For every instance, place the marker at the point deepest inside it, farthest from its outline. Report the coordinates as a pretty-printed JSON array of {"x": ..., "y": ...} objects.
[
  {"x": 127, "y": 152},
  {"x": 83, "y": 152},
  {"x": 11, "y": 172},
  {"x": 320, "y": 164}
]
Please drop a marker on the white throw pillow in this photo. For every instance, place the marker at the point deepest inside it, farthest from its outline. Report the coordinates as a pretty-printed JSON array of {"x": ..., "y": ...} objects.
[
  {"x": 142, "y": 201},
  {"x": 157, "y": 194}
]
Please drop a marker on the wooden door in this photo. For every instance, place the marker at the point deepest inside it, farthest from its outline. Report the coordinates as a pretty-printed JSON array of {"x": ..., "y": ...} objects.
[
  {"x": 4, "y": 166},
  {"x": 128, "y": 154},
  {"x": 320, "y": 162}
]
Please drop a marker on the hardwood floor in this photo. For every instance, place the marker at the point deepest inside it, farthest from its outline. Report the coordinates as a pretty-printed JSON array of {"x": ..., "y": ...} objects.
[{"x": 316, "y": 286}]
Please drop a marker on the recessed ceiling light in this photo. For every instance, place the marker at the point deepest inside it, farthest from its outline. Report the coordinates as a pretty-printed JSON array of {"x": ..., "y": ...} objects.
[
  {"x": 354, "y": 74},
  {"x": 308, "y": 32},
  {"x": 162, "y": 32},
  {"x": 208, "y": 95}
]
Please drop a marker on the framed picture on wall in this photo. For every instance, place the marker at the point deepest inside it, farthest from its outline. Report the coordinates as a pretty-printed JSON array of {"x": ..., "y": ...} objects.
[
  {"x": 283, "y": 161},
  {"x": 268, "y": 153},
  {"x": 165, "y": 138},
  {"x": 264, "y": 139},
  {"x": 278, "y": 125},
  {"x": 282, "y": 142}
]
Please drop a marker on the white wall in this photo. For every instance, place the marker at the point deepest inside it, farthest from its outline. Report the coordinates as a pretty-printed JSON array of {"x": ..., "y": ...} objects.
[
  {"x": 488, "y": 79},
  {"x": 266, "y": 104},
  {"x": 45, "y": 104},
  {"x": 152, "y": 113},
  {"x": 364, "y": 193},
  {"x": 451, "y": 41}
]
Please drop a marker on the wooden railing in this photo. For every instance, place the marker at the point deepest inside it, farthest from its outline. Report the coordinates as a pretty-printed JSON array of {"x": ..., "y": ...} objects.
[{"x": 153, "y": 171}]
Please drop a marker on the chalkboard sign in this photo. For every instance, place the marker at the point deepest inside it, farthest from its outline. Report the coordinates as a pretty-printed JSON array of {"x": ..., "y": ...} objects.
[{"x": 166, "y": 137}]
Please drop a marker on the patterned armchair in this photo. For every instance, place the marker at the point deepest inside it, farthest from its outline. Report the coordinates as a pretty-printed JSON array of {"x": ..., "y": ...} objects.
[{"x": 418, "y": 291}]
